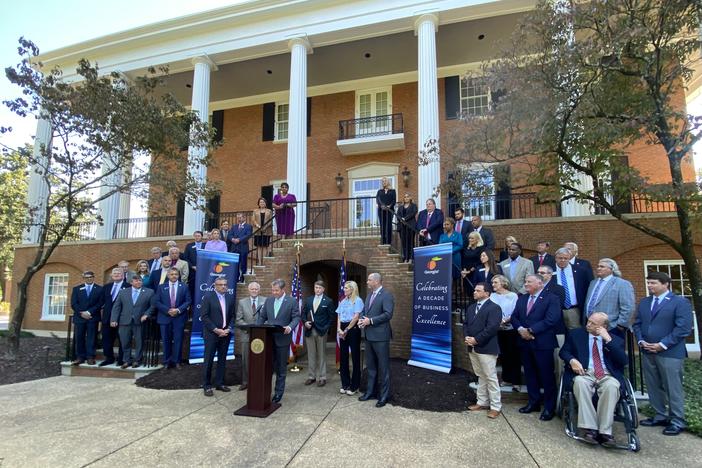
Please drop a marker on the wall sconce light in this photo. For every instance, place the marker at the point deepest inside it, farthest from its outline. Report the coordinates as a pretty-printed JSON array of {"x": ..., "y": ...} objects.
[
  {"x": 405, "y": 176},
  {"x": 339, "y": 182}
]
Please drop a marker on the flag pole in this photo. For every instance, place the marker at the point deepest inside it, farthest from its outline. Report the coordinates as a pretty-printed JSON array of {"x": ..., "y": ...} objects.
[{"x": 295, "y": 367}]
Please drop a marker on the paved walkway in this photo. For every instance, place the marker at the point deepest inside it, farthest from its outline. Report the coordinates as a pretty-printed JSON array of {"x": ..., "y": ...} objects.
[{"x": 64, "y": 421}]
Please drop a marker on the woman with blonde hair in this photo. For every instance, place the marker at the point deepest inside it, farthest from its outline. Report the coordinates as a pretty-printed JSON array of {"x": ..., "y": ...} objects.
[
  {"x": 507, "y": 336},
  {"x": 349, "y": 310},
  {"x": 142, "y": 271},
  {"x": 504, "y": 253}
]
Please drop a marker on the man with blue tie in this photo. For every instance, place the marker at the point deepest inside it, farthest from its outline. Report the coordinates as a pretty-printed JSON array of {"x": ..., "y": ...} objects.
[
  {"x": 238, "y": 238},
  {"x": 575, "y": 281},
  {"x": 611, "y": 294},
  {"x": 217, "y": 313},
  {"x": 131, "y": 309},
  {"x": 86, "y": 302},
  {"x": 172, "y": 302},
  {"x": 109, "y": 334},
  {"x": 663, "y": 321}
]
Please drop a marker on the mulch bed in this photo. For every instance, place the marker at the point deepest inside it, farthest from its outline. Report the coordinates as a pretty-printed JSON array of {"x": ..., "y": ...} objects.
[
  {"x": 189, "y": 376},
  {"x": 38, "y": 358}
]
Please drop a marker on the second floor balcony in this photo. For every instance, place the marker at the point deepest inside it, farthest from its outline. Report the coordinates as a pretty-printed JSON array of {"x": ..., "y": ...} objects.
[{"x": 374, "y": 134}]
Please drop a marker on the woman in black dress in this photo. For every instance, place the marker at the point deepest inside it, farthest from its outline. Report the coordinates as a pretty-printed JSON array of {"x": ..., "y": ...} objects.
[{"x": 406, "y": 214}]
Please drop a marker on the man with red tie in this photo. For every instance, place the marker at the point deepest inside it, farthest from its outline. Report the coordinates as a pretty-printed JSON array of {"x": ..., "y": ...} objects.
[
  {"x": 542, "y": 256},
  {"x": 217, "y": 312}
]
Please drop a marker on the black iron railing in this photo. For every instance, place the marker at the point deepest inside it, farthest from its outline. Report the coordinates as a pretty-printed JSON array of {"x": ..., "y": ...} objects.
[
  {"x": 370, "y": 126},
  {"x": 78, "y": 232},
  {"x": 153, "y": 226}
]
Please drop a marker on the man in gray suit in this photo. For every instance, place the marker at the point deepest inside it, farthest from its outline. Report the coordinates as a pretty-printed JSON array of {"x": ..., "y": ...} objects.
[
  {"x": 375, "y": 320},
  {"x": 246, "y": 313},
  {"x": 281, "y": 310},
  {"x": 516, "y": 268},
  {"x": 611, "y": 294},
  {"x": 133, "y": 306}
]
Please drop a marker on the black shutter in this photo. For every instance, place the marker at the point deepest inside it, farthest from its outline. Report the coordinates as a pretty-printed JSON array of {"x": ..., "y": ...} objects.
[
  {"x": 218, "y": 125},
  {"x": 309, "y": 116},
  {"x": 451, "y": 94},
  {"x": 267, "y": 193},
  {"x": 452, "y": 199},
  {"x": 180, "y": 214},
  {"x": 213, "y": 208},
  {"x": 497, "y": 95},
  {"x": 269, "y": 121},
  {"x": 503, "y": 192}
]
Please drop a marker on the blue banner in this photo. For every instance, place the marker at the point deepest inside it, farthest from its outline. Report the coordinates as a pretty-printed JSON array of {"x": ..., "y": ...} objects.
[
  {"x": 210, "y": 266},
  {"x": 431, "y": 308}
]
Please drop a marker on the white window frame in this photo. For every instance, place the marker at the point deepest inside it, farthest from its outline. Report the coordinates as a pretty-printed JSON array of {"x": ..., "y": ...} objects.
[
  {"x": 60, "y": 301},
  {"x": 353, "y": 209},
  {"x": 277, "y": 122},
  {"x": 691, "y": 347},
  {"x": 463, "y": 106},
  {"x": 374, "y": 127},
  {"x": 486, "y": 210}
]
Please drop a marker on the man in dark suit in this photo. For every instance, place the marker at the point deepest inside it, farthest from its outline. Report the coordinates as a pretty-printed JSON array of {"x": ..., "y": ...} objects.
[
  {"x": 375, "y": 320},
  {"x": 86, "y": 302},
  {"x": 480, "y": 328},
  {"x": 535, "y": 317},
  {"x": 385, "y": 199},
  {"x": 155, "y": 260},
  {"x": 575, "y": 281},
  {"x": 238, "y": 237},
  {"x": 575, "y": 260},
  {"x": 595, "y": 362},
  {"x": 282, "y": 310},
  {"x": 430, "y": 223},
  {"x": 463, "y": 227},
  {"x": 317, "y": 314},
  {"x": 172, "y": 302},
  {"x": 663, "y": 321},
  {"x": 190, "y": 256},
  {"x": 160, "y": 275},
  {"x": 132, "y": 308},
  {"x": 542, "y": 256},
  {"x": 224, "y": 234},
  {"x": 611, "y": 294},
  {"x": 217, "y": 313},
  {"x": 485, "y": 233},
  {"x": 109, "y": 334}
]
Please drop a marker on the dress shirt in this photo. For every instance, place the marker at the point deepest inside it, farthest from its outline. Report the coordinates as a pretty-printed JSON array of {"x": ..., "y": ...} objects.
[
  {"x": 571, "y": 283},
  {"x": 347, "y": 309},
  {"x": 591, "y": 365}
]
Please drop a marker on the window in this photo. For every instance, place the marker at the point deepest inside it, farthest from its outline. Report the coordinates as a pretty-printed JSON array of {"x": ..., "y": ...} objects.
[
  {"x": 680, "y": 285},
  {"x": 374, "y": 108},
  {"x": 363, "y": 208},
  {"x": 479, "y": 191},
  {"x": 282, "y": 112},
  {"x": 475, "y": 97},
  {"x": 55, "y": 288}
]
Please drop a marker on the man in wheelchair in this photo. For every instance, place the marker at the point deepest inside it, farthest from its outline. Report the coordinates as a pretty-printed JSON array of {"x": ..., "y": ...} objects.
[{"x": 595, "y": 361}]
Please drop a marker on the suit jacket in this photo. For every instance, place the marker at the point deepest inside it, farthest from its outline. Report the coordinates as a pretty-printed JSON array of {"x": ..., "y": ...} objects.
[
  {"x": 380, "y": 312},
  {"x": 81, "y": 302},
  {"x": 107, "y": 302},
  {"x": 386, "y": 199},
  {"x": 267, "y": 224},
  {"x": 584, "y": 265},
  {"x": 156, "y": 277},
  {"x": 322, "y": 318},
  {"x": 557, "y": 290},
  {"x": 190, "y": 253},
  {"x": 245, "y": 315},
  {"x": 408, "y": 215},
  {"x": 243, "y": 234},
  {"x": 670, "y": 325},
  {"x": 163, "y": 303},
  {"x": 211, "y": 312},
  {"x": 543, "y": 320},
  {"x": 151, "y": 262},
  {"x": 483, "y": 326},
  {"x": 582, "y": 282},
  {"x": 466, "y": 228},
  {"x": 288, "y": 316},
  {"x": 124, "y": 312},
  {"x": 488, "y": 237},
  {"x": 549, "y": 260},
  {"x": 184, "y": 268},
  {"x": 224, "y": 235},
  {"x": 524, "y": 267},
  {"x": 615, "y": 298},
  {"x": 436, "y": 224},
  {"x": 577, "y": 345}
]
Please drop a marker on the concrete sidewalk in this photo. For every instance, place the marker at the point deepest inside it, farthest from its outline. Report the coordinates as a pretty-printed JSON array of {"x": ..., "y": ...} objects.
[{"x": 77, "y": 421}]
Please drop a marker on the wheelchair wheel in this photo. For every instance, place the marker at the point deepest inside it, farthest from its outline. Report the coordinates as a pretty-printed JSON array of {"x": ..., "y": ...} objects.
[
  {"x": 559, "y": 399},
  {"x": 634, "y": 443}
]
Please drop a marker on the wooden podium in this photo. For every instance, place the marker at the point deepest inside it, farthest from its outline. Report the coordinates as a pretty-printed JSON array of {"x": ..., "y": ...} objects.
[{"x": 258, "y": 394}]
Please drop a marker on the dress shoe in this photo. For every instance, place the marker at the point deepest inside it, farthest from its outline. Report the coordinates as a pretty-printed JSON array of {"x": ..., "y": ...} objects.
[
  {"x": 169, "y": 365},
  {"x": 478, "y": 408},
  {"x": 493, "y": 414},
  {"x": 135, "y": 365},
  {"x": 91, "y": 362},
  {"x": 124, "y": 365},
  {"x": 607, "y": 440},
  {"x": 589, "y": 436},
  {"x": 672, "y": 430},
  {"x": 276, "y": 398},
  {"x": 243, "y": 387},
  {"x": 77, "y": 362},
  {"x": 546, "y": 415},
  {"x": 106, "y": 362},
  {"x": 223, "y": 388},
  {"x": 209, "y": 392},
  {"x": 366, "y": 396},
  {"x": 381, "y": 403},
  {"x": 321, "y": 383},
  {"x": 119, "y": 363},
  {"x": 650, "y": 422},
  {"x": 309, "y": 381},
  {"x": 529, "y": 408}
]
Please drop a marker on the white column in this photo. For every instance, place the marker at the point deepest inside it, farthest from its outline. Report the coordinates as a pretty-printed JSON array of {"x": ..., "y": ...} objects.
[
  {"x": 125, "y": 199},
  {"x": 109, "y": 208},
  {"x": 297, "y": 125},
  {"x": 573, "y": 207},
  {"x": 429, "y": 175},
  {"x": 194, "y": 218},
  {"x": 38, "y": 189}
]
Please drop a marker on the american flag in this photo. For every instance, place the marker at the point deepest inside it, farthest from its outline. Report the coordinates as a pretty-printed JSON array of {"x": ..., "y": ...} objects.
[
  {"x": 296, "y": 292},
  {"x": 342, "y": 281}
]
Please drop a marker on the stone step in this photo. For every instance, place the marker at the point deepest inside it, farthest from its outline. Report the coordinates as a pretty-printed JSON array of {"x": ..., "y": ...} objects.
[{"x": 111, "y": 371}]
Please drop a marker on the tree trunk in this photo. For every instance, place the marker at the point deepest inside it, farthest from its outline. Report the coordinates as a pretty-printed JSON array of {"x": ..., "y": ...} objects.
[{"x": 15, "y": 327}]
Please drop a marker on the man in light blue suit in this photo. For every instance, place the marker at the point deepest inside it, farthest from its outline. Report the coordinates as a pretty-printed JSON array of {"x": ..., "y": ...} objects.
[
  {"x": 611, "y": 294},
  {"x": 663, "y": 321},
  {"x": 172, "y": 302}
]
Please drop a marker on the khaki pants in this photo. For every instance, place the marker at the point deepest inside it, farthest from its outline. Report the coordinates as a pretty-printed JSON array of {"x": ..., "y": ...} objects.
[
  {"x": 571, "y": 317},
  {"x": 488, "y": 386},
  {"x": 316, "y": 355},
  {"x": 584, "y": 386}
]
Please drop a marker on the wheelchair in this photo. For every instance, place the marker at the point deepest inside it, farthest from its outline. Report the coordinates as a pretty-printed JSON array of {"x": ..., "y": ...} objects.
[{"x": 626, "y": 411}]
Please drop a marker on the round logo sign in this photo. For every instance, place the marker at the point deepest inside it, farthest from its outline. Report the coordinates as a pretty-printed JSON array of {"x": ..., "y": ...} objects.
[{"x": 257, "y": 346}]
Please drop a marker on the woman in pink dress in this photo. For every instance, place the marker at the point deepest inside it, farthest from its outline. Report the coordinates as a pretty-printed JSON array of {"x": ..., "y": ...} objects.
[{"x": 284, "y": 205}]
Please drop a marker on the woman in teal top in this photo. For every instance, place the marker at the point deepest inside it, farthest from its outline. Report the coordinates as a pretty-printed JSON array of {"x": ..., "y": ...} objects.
[
  {"x": 455, "y": 238},
  {"x": 142, "y": 270},
  {"x": 349, "y": 335}
]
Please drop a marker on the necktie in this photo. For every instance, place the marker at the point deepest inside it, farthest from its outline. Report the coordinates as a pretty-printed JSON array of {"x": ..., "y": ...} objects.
[
  {"x": 370, "y": 303},
  {"x": 530, "y": 304},
  {"x": 597, "y": 361},
  {"x": 428, "y": 217},
  {"x": 135, "y": 294},
  {"x": 154, "y": 266},
  {"x": 541, "y": 259},
  {"x": 115, "y": 290},
  {"x": 88, "y": 288},
  {"x": 593, "y": 299},
  {"x": 276, "y": 307},
  {"x": 458, "y": 226},
  {"x": 223, "y": 305},
  {"x": 654, "y": 309},
  {"x": 564, "y": 282},
  {"x": 477, "y": 308},
  {"x": 173, "y": 295},
  {"x": 253, "y": 304}
]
